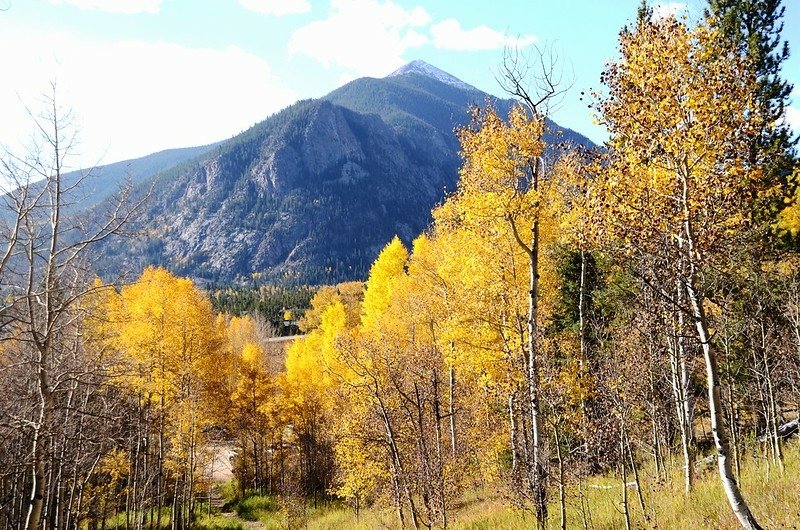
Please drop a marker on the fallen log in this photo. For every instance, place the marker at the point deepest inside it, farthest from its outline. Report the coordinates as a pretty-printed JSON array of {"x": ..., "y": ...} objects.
[{"x": 788, "y": 429}]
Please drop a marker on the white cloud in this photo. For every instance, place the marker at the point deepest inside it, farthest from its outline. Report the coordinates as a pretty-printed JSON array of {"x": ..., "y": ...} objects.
[
  {"x": 793, "y": 118},
  {"x": 132, "y": 98},
  {"x": 126, "y": 7},
  {"x": 276, "y": 7},
  {"x": 345, "y": 78},
  {"x": 449, "y": 35},
  {"x": 670, "y": 9},
  {"x": 365, "y": 37}
]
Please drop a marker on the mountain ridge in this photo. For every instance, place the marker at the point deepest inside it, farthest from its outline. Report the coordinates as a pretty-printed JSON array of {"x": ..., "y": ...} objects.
[
  {"x": 418, "y": 66},
  {"x": 312, "y": 193}
]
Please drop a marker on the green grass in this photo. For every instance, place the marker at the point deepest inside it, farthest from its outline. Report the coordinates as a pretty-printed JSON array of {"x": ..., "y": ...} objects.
[
  {"x": 217, "y": 522},
  {"x": 774, "y": 498},
  {"x": 254, "y": 507}
]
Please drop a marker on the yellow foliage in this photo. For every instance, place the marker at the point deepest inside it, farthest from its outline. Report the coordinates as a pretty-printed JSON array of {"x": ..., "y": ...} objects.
[
  {"x": 384, "y": 273},
  {"x": 789, "y": 217},
  {"x": 165, "y": 331},
  {"x": 349, "y": 294},
  {"x": 169, "y": 350},
  {"x": 680, "y": 112},
  {"x": 252, "y": 355}
]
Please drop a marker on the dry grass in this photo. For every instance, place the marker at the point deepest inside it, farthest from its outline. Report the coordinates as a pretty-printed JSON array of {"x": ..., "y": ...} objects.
[{"x": 773, "y": 496}]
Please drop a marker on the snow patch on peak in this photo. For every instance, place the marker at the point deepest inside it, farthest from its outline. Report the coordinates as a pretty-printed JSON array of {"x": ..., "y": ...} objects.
[{"x": 421, "y": 67}]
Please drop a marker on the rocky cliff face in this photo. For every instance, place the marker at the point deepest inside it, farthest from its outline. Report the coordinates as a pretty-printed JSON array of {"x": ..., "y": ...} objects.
[{"x": 312, "y": 193}]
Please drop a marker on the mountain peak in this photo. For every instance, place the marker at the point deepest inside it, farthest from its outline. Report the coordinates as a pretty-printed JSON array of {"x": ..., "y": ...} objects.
[{"x": 420, "y": 67}]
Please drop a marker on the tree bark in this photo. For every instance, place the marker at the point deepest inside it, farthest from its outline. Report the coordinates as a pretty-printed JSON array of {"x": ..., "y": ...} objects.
[
  {"x": 729, "y": 484},
  {"x": 535, "y": 459},
  {"x": 624, "y": 476},
  {"x": 718, "y": 433},
  {"x": 562, "y": 488},
  {"x": 772, "y": 416},
  {"x": 452, "y": 409}
]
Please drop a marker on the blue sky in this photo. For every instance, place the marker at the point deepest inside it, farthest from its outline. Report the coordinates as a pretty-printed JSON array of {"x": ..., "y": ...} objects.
[{"x": 146, "y": 75}]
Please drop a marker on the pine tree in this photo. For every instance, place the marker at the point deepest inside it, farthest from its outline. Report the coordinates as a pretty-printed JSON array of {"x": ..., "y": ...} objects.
[{"x": 753, "y": 29}]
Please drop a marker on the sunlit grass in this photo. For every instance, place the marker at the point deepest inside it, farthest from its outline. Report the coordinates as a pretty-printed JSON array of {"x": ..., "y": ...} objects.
[
  {"x": 254, "y": 507},
  {"x": 773, "y": 496},
  {"x": 217, "y": 522}
]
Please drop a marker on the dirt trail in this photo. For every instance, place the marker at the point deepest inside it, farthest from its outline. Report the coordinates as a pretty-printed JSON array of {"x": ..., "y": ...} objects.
[
  {"x": 250, "y": 525},
  {"x": 220, "y": 470}
]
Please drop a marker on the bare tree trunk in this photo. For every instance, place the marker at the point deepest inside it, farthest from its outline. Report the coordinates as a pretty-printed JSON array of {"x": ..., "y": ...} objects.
[
  {"x": 513, "y": 421},
  {"x": 441, "y": 493},
  {"x": 176, "y": 507},
  {"x": 562, "y": 490},
  {"x": 772, "y": 416},
  {"x": 729, "y": 484},
  {"x": 624, "y": 476},
  {"x": 656, "y": 438},
  {"x": 683, "y": 424},
  {"x": 582, "y": 498},
  {"x": 638, "y": 483},
  {"x": 452, "y": 410},
  {"x": 38, "y": 448},
  {"x": 539, "y": 471},
  {"x": 161, "y": 485},
  {"x": 681, "y": 389},
  {"x": 733, "y": 418},
  {"x": 397, "y": 465},
  {"x": 581, "y": 306},
  {"x": 761, "y": 408}
]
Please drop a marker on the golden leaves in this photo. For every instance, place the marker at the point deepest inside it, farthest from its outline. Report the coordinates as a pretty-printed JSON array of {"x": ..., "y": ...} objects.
[
  {"x": 789, "y": 217},
  {"x": 679, "y": 109}
]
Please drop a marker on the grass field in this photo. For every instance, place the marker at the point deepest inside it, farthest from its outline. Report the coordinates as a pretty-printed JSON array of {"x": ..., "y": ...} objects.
[{"x": 774, "y": 497}]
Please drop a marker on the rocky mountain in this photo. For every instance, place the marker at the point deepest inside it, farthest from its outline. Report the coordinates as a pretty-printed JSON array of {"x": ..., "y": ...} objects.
[{"x": 312, "y": 193}]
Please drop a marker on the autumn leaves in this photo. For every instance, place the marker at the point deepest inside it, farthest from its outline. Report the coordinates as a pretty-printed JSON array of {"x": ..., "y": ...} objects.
[{"x": 459, "y": 371}]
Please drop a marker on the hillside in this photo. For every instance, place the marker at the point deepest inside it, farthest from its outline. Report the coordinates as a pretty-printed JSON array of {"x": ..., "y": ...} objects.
[
  {"x": 312, "y": 193},
  {"x": 89, "y": 187}
]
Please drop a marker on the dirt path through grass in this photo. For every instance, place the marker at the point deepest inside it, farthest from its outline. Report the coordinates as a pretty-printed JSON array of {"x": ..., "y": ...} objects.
[{"x": 249, "y": 525}]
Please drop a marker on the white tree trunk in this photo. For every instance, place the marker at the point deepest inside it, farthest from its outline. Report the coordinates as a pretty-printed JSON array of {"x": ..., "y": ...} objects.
[{"x": 718, "y": 433}]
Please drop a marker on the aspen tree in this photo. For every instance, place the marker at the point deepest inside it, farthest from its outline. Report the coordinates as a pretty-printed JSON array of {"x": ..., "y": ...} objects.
[
  {"x": 502, "y": 180},
  {"x": 678, "y": 109}
]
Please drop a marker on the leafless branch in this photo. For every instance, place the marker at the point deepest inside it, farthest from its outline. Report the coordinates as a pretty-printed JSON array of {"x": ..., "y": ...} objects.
[{"x": 535, "y": 77}]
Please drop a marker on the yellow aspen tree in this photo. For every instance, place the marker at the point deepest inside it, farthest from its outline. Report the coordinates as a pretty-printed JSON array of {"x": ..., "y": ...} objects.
[
  {"x": 503, "y": 180},
  {"x": 331, "y": 372},
  {"x": 371, "y": 365},
  {"x": 383, "y": 275},
  {"x": 308, "y": 395},
  {"x": 789, "y": 217},
  {"x": 375, "y": 358},
  {"x": 253, "y": 413},
  {"x": 349, "y": 294},
  {"x": 483, "y": 286},
  {"x": 679, "y": 110},
  {"x": 166, "y": 335}
]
